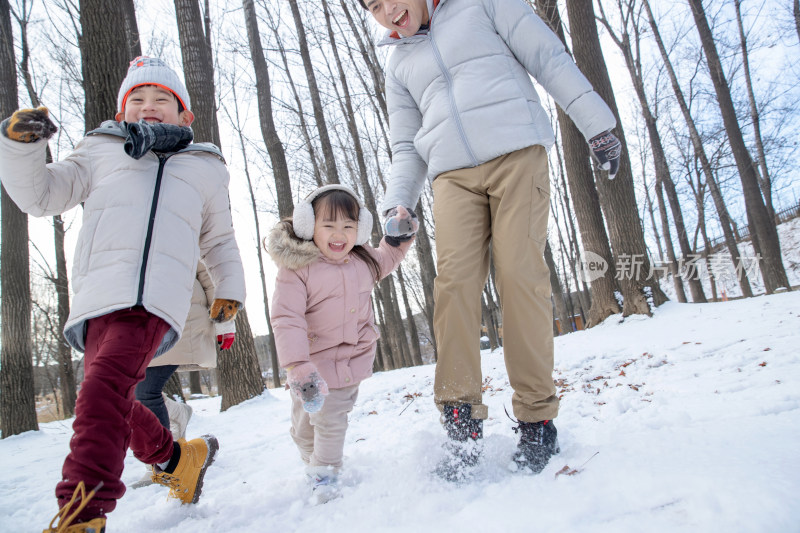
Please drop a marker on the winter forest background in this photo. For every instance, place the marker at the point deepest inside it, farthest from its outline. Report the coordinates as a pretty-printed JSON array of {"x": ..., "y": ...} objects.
[{"x": 292, "y": 91}]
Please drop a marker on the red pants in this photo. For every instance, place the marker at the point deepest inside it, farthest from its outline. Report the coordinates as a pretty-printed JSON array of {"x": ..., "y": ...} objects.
[{"x": 108, "y": 419}]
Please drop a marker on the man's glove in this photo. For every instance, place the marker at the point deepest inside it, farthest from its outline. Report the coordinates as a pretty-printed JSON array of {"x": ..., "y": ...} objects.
[
  {"x": 306, "y": 383},
  {"x": 223, "y": 310},
  {"x": 143, "y": 137},
  {"x": 29, "y": 125},
  {"x": 226, "y": 334},
  {"x": 401, "y": 225},
  {"x": 606, "y": 149}
]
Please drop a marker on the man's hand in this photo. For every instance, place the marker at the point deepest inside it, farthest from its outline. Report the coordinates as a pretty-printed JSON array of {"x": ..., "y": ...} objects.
[
  {"x": 223, "y": 310},
  {"x": 400, "y": 225},
  {"x": 226, "y": 334},
  {"x": 29, "y": 125},
  {"x": 606, "y": 149}
]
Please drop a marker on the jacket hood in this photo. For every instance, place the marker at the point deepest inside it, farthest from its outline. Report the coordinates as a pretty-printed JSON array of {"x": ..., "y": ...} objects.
[{"x": 288, "y": 252}]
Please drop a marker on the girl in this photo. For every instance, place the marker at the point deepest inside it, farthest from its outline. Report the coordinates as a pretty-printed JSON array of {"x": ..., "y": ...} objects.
[{"x": 322, "y": 317}]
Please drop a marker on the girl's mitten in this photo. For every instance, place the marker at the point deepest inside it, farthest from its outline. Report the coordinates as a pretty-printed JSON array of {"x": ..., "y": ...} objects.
[{"x": 306, "y": 383}]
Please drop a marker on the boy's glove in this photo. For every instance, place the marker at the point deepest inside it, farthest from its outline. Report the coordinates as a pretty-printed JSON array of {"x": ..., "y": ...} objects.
[
  {"x": 606, "y": 149},
  {"x": 29, "y": 125},
  {"x": 226, "y": 334},
  {"x": 306, "y": 383},
  {"x": 143, "y": 137},
  {"x": 400, "y": 225},
  {"x": 223, "y": 310}
]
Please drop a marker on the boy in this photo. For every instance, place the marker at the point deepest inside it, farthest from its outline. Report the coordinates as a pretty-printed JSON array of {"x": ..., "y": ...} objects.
[
  {"x": 148, "y": 217},
  {"x": 464, "y": 113}
]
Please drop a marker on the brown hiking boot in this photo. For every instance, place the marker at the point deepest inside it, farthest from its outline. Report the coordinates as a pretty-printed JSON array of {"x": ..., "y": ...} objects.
[
  {"x": 66, "y": 515},
  {"x": 186, "y": 481}
]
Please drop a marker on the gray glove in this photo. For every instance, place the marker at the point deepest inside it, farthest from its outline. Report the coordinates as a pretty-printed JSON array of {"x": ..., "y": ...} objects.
[{"x": 400, "y": 225}]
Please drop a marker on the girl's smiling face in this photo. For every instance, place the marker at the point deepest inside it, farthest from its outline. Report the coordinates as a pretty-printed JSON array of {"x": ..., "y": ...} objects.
[{"x": 335, "y": 230}]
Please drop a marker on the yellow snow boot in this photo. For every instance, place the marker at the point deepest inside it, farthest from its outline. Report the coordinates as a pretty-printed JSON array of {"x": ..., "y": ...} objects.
[
  {"x": 65, "y": 515},
  {"x": 186, "y": 481}
]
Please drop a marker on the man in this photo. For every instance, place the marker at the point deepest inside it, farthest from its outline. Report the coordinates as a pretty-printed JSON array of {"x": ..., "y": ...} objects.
[{"x": 464, "y": 113}]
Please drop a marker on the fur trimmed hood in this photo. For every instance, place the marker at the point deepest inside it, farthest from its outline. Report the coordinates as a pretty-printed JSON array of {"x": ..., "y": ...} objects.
[{"x": 289, "y": 252}]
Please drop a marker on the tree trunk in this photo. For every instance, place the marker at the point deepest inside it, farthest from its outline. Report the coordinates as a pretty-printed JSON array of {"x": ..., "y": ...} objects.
[
  {"x": 796, "y": 10},
  {"x": 584, "y": 196},
  {"x": 699, "y": 150},
  {"x": 558, "y": 293},
  {"x": 104, "y": 58},
  {"x": 304, "y": 129},
  {"x": 269, "y": 132},
  {"x": 17, "y": 405},
  {"x": 673, "y": 263},
  {"x": 488, "y": 321},
  {"x": 762, "y": 229},
  {"x": 238, "y": 370},
  {"x": 764, "y": 178},
  {"x": 198, "y": 70},
  {"x": 616, "y": 196},
  {"x": 331, "y": 173},
  {"x": 663, "y": 177},
  {"x": 69, "y": 392},
  {"x": 195, "y": 385},
  {"x": 174, "y": 388},
  {"x": 131, "y": 29},
  {"x": 416, "y": 354},
  {"x": 67, "y": 387}
]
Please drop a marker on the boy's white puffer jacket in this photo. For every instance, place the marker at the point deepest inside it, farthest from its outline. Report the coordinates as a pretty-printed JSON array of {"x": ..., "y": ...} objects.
[
  {"x": 461, "y": 94},
  {"x": 122, "y": 258}
]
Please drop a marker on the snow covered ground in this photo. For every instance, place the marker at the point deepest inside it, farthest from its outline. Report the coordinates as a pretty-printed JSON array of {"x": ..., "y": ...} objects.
[{"x": 689, "y": 421}]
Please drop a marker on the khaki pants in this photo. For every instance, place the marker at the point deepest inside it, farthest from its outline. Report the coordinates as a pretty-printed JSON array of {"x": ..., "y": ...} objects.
[
  {"x": 506, "y": 203},
  {"x": 320, "y": 436}
]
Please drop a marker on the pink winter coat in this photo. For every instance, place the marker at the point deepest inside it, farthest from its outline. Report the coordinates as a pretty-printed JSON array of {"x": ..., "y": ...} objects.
[{"x": 322, "y": 311}]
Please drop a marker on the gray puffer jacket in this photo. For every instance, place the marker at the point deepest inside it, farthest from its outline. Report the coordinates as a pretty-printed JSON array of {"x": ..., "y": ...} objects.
[
  {"x": 146, "y": 224},
  {"x": 461, "y": 94}
]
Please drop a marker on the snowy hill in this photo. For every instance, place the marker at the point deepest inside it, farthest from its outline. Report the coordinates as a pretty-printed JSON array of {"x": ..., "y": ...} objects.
[{"x": 689, "y": 421}]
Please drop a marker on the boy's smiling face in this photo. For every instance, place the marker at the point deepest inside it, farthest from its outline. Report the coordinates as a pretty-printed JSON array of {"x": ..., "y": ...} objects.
[
  {"x": 154, "y": 105},
  {"x": 403, "y": 16}
]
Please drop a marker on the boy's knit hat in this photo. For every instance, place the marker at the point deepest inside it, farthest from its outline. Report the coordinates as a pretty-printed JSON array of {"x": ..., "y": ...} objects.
[{"x": 152, "y": 71}]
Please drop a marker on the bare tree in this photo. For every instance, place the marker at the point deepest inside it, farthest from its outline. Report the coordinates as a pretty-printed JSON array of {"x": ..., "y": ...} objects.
[
  {"x": 763, "y": 231},
  {"x": 60, "y": 280},
  {"x": 584, "y": 194},
  {"x": 269, "y": 132},
  {"x": 237, "y": 126},
  {"x": 617, "y": 197},
  {"x": 700, "y": 153},
  {"x": 629, "y": 45},
  {"x": 764, "y": 177},
  {"x": 238, "y": 370},
  {"x": 17, "y": 405},
  {"x": 105, "y": 53},
  {"x": 332, "y": 174}
]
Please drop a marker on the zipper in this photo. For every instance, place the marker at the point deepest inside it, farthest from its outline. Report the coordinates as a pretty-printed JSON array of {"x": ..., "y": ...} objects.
[
  {"x": 162, "y": 159},
  {"x": 452, "y": 98}
]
